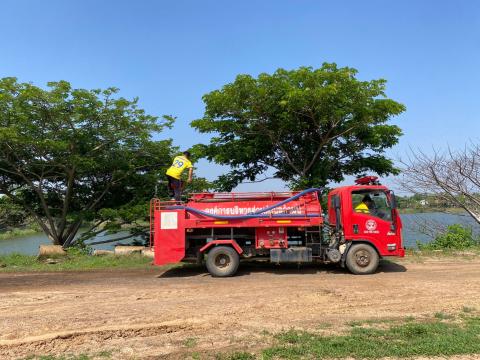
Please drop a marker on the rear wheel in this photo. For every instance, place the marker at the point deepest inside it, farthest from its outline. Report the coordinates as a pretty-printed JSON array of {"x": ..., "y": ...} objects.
[
  {"x": 222, "y": 261},
  {"x": 362, "y": 259}
]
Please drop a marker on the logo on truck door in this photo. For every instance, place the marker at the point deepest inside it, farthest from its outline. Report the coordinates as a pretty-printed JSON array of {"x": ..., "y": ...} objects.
[{"x": 371, "y": 226}]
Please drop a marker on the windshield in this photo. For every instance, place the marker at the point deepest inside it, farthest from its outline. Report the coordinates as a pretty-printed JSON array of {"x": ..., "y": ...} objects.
[{"x": 373, "y": 202}]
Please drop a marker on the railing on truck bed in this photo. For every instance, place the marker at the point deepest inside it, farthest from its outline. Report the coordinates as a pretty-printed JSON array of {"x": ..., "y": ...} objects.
[
  {"x": 250, "y": 209},
  {"x": 242, "y": 196}
]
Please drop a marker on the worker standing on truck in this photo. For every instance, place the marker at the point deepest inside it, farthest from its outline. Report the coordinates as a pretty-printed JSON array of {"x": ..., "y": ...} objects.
[
  {"x": 174, "y": 175},
  {"x": 365, "y": 206}
]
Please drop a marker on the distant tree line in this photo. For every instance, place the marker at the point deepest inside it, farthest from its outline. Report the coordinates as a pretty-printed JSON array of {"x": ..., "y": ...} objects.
[{"x": 423, "y": 202}]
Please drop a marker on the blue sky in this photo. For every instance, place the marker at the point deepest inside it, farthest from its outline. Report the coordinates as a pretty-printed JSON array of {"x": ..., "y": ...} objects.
[{"x": 171, "y": 53}]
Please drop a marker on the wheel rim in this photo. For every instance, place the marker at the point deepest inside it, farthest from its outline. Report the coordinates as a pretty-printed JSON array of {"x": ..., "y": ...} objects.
[
  {"x": 222, "y": 261},
  {"x": 362, "y": 258}
]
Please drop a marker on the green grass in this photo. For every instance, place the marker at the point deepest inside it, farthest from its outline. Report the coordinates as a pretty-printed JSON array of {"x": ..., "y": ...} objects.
[
  {"x": 435, "y": 337},
  {"x": 371, "y": 322},
  {"x": 443, "y": 316},
  {"x": 440, "y": 335},
  {"x": 71, "y": 262},
  {"x": 190, "y": 342},
  {"x": 466, "y": 254},
  {"x": 239, "y": 355}
]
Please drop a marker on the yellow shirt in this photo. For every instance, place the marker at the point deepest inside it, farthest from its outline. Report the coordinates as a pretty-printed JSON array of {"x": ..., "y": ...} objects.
[
  {"x": 180, "y": 163},
  {"x": 362, "y": 208}
]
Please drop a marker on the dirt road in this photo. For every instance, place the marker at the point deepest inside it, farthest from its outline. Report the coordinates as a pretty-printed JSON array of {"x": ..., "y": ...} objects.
[{"x": 156, "y": 314}]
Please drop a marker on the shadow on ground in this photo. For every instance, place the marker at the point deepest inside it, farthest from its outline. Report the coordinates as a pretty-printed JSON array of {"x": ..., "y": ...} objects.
[{"x": 247, "y": 268}]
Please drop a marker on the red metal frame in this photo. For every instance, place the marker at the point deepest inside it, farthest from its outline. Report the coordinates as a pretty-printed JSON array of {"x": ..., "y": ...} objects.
[{"x": 233, "y": 243}]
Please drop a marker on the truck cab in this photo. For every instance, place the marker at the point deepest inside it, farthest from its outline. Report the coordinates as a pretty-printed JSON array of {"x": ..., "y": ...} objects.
[{"x": 376, "y": 224}]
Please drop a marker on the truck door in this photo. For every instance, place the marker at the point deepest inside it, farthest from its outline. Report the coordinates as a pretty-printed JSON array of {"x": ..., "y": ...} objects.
[{"x": 373, "y": 219}]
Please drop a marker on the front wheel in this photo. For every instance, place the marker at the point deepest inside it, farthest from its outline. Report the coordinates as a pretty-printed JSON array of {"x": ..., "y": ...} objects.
[
  {"x": 362, "y": 259},
  {"x": 222, "y": 261}
]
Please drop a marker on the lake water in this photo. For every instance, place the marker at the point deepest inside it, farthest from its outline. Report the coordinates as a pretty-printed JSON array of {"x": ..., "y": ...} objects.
[
  {"x": 413, "y": 225},
  {"x": 29, "y": 244}
]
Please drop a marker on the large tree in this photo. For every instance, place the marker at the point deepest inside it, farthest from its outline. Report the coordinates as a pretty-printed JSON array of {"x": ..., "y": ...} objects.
[
  {"x": 310, "y": 126},
  {"x": 75, "y": 157}
]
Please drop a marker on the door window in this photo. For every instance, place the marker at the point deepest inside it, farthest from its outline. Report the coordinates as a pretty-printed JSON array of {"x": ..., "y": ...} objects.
[{"x": 372, "y": 202}]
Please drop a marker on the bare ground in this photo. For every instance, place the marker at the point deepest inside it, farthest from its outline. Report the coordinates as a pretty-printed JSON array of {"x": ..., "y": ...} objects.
[{"x": 170, "y": 314}]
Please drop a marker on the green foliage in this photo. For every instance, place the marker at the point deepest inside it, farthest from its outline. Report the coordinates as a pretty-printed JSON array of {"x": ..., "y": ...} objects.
[
  {"x": 66, "y": 154},
  {"x": 456, "y": 237},
  {"x": 310, "y": 125},
  {"x": 79, "y": 248},
  {"x": 11, "y": 214}
]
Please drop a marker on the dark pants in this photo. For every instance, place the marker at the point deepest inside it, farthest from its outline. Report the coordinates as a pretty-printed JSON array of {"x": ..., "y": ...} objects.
[{"x": 175, "y": 187}]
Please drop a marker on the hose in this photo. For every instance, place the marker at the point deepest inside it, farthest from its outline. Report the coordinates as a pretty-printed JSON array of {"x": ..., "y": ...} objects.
[{"x": 254, "y": 215}]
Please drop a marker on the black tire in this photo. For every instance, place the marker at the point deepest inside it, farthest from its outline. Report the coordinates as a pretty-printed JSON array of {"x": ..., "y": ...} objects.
[
  {"x": 222, "y": 261},
  {"x": 362, "y": 259}
]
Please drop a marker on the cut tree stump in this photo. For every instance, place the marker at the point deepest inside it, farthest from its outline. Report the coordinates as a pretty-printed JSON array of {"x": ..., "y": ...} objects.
[
  {"x": 51, "y": 250},
  {"x": 102, "y": 252},
  {"x": 127, "y": 250}
]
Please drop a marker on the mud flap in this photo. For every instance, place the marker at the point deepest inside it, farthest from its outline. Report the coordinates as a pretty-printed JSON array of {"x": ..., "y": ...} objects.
[{"x": 344, "y": 255}]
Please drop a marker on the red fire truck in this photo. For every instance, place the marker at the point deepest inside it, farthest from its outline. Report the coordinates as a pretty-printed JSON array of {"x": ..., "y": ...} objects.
[{"x": 220, "y": 229}]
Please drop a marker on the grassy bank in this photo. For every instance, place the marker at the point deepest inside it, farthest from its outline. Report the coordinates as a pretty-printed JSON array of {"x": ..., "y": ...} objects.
[
  {"x": 71, "y": 262},
  {"x": 472, "y": 252},
  {"x": 14, "y": 233}
]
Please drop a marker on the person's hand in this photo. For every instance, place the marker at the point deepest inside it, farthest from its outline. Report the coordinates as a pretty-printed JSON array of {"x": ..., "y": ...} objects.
[{"x": 189, "y": 180}]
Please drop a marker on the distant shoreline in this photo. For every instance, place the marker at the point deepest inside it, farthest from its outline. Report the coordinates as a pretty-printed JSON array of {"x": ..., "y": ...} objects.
[
  {"x": 453, "y": 211},
  {"x": 15, "y": 233}
]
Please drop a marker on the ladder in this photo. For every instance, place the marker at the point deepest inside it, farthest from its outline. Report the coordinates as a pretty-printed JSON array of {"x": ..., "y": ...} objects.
[{"x": 313, "y": 240}]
